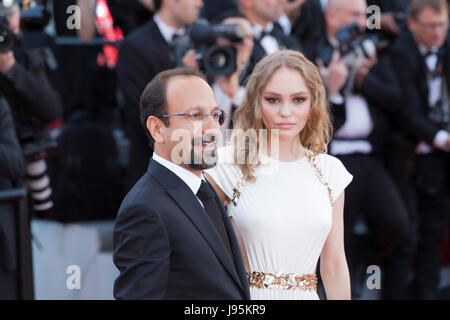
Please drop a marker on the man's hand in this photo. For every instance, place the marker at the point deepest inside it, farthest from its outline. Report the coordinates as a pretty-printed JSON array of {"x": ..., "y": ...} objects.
[
  {"x": 190, "y": 59},
  {"x": 229, "y": 85},
  {"x": 335, "y": 75},
  {"x": 362, "y": 71},
  {"x": 7, "y": 62}
]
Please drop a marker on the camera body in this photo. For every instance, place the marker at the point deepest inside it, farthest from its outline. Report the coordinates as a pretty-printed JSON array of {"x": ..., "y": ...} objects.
[
  {"x": 354, "y": 48},
  {"x": 213, "y": 59}
]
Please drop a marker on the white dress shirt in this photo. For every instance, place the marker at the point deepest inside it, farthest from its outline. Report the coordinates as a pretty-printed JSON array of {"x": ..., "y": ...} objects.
[
  {"x": 358, "y": 122},
  {"x": 434, "y": 94},
  {"x": 167, "y": 31},
  {"x": 225, "y": 102},
  {"x": 193, "y": 181},
  {"x": 268, "y": 42}
]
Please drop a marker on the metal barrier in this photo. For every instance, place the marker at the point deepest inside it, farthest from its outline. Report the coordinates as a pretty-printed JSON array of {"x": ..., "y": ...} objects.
[{"x": 18, "y": 197}]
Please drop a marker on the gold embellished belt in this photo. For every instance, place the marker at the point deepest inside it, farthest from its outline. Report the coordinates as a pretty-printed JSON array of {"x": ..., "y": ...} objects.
[{"x": 290, "y": 281}]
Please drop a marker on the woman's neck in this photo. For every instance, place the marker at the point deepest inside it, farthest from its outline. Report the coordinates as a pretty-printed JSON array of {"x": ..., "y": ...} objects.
[{"x": 288, "y": 150}]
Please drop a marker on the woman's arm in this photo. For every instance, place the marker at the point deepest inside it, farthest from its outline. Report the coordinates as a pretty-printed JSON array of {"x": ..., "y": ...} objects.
[
  {"x": 224, "y": 199},
  {"x": 333, "y": 263}
]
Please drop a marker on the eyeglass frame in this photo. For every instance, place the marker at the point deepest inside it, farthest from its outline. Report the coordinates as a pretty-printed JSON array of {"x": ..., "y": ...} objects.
[
  {"x": 432, "y": 26},
  {"x": 222, "y": 116}
]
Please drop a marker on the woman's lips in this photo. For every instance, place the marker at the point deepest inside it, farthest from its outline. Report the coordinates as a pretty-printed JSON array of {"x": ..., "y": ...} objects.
[{"x": 286, "y": 125}]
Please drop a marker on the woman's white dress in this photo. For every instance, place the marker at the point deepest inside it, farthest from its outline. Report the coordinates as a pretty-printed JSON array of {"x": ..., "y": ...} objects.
[{"x": 284, "y": 217}]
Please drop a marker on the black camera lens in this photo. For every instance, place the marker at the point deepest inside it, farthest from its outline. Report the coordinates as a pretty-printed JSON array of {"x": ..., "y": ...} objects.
[{"x": 218, "y": 60}]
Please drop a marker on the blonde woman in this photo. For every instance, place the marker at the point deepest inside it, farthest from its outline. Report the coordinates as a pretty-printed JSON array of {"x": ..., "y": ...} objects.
[{"x": 285, "y": 195}]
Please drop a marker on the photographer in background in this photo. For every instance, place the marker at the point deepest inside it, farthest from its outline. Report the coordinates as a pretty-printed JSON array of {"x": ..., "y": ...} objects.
[
  {"x": 143, "y": 54},
  {"x": 421, "y": 59},
  {"x": 268, "y": 34},
  {"x": 35, "y": 105},
  {"x": 227, "y": 89},
  {"x": 12, "y": 168},
  {"x": 364, "y": 94}
]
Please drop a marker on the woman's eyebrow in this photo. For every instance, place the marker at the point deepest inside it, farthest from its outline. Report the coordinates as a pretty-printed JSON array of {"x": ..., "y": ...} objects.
[{"x": 277, "y": 94}]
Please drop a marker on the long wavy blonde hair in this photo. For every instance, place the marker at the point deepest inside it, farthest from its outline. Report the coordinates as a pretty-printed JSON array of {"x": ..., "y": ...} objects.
[{"x": 317, "y": 132}]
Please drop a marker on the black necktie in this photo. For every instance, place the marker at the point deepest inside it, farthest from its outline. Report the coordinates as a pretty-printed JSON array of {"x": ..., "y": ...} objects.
[
  {"x": 207, "y": 196},
  {"x": 276, "y": 32}
]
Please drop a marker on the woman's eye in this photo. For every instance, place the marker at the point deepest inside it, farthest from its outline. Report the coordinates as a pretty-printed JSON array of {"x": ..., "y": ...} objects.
[
  {"x": 272, "y": 100},
  {"x": 299, "y": 100}
]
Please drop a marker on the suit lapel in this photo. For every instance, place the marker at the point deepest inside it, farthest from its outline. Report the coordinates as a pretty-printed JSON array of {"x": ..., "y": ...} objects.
[{"x": 191, "y": 207}]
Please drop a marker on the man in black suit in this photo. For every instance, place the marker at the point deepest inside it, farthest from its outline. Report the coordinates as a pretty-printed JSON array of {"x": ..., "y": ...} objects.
[
  {"x": 268, "y": 34},
  {"x": 363, "y": 94},
  {"x": 172, "y": 237},
  {"x": 144, "y": 53},
  {"x": 421, "y": 59}
]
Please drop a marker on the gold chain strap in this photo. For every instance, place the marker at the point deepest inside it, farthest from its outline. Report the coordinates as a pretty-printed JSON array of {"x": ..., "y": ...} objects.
[
  {"x": 312, "y": 160},
  {"x": 237, "y": 191}
]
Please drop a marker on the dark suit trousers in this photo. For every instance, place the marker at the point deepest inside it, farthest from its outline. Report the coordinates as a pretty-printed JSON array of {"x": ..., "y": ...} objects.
[
  {"x": 433, "y": 212},
  {"x": 373, "y": 196}
]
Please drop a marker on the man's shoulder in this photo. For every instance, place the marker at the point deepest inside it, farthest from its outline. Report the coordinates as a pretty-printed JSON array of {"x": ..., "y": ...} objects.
[
  {"x": 145, "y": 34},
  {"x": 145, "y": 193},
  {"x": 404, "y": 44}
]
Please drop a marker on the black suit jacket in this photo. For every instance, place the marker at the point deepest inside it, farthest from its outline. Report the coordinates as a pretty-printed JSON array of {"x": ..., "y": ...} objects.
[
  {"x": 167, "y": 248},
  {"x": 380, "y": 89},
  {"x": 284, "y": 42},
  {"x": 310, "y": 26},
  {"x": 143, "y": 54},
  {"x": 410, "y": 68}
]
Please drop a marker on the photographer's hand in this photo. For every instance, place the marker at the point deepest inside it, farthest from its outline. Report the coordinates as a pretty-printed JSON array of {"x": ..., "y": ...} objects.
[
  {"x": 229, "y": 85},
  {"x": 362, "y": 71},
  {"x": 7, "y": 62},
  {"x": 389, "y": 24},
  {"x": 335, "y": 75},
  {"x": 190, "y": 59}
]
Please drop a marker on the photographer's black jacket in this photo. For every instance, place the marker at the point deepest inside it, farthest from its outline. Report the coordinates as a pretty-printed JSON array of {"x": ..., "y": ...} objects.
[
  {"x": 411, "y": 70},
  {"x": 381, "y": 90},
  {"x": 32, "y": 99},
  {"x": 143, "y": 54},
  {"x": 12, "y": 168}
]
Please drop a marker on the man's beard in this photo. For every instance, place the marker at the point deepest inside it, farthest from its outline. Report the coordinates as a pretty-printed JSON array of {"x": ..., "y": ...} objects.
[{"x": 206, "y": 160}]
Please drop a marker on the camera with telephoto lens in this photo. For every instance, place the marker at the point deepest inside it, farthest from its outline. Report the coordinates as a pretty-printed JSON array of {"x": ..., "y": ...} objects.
[
  {"x": 354, "y": 48},
  {"x": 213, "y": 59}
]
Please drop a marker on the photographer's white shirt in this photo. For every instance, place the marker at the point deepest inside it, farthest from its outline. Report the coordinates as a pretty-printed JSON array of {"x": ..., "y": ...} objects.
[
  {"x": 268, "y": 42},
  {"x": 434, "y": 95},
  {"x": 167, "y": 31}
]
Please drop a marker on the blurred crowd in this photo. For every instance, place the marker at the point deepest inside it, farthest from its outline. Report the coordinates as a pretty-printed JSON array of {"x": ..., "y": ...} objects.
[{"x": 70, "y": 132}]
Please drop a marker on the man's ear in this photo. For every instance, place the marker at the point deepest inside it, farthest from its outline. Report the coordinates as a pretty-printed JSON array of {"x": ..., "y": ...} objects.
[{"x": 156, "y": 128}]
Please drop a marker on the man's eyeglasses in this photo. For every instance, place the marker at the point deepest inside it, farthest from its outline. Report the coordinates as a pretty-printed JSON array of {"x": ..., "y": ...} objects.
[
  {"x": 197, "y": 116},
  {"x": 432, "y": 26}
]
